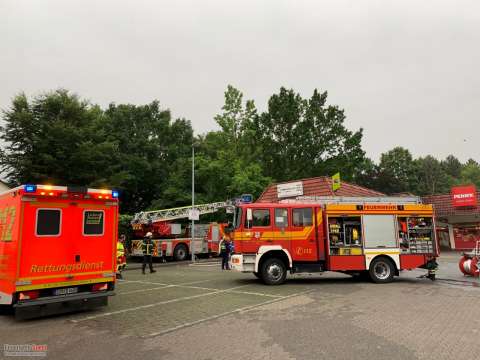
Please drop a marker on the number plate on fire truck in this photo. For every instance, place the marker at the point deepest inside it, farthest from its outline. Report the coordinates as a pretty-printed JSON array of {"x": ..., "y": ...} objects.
[{"x": 65, "y": 291}]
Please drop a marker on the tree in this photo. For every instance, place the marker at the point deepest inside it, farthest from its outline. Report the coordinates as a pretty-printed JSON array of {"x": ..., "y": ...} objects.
[
  {"x": 432, "y": 178},
  {"x": 155, "y": 155},
  {"x": 470, "y": 173},
  {"x": 301, "y": 138},
  {"x": 59, "y": 138},
  {"x": 55, "y": 139},
  {"x": 452, "y": 166},
  {"x": 397, "y": 171},
  {"x": 368, "y": 175},
  {"x": 227, "y": 159}
]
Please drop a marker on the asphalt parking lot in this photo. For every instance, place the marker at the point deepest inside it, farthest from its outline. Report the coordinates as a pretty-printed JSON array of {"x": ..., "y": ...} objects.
[{"x": 200, "y": 312}]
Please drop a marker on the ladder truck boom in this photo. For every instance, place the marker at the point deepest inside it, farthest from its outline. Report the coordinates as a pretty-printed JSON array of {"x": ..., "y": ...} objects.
[{"x": 147, "y": 217}]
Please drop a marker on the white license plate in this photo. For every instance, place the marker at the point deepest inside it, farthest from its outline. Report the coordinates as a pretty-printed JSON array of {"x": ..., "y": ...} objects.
[{"x": 65, "y": 291}]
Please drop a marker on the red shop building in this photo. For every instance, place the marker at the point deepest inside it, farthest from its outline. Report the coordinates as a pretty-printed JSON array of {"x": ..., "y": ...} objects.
[{"x": 458, "y": 217}]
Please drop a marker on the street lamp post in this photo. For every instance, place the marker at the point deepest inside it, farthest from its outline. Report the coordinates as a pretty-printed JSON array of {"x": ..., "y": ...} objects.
[{"x": 192, "y": 247}]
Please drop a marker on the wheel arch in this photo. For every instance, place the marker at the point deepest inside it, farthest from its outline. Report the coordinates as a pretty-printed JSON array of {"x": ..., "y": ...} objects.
[
  {"x": 393, "y": 260},
  {"x": 269, "y": 251}
]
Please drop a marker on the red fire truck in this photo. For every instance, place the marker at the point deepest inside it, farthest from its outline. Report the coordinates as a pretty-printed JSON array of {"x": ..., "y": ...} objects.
[
  {"x": 352, "y": 236},
  {"x": 57, "y": 248},
  {"x": 178, "y": 244},
  {"x": 174, "y": 239}
]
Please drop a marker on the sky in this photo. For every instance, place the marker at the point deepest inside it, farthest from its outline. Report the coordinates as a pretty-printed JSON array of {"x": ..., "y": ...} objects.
[{"x": 407, "y": 72}]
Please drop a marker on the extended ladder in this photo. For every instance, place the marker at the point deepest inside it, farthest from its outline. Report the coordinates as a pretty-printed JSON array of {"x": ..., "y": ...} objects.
[{"x": 146, "y": 217}]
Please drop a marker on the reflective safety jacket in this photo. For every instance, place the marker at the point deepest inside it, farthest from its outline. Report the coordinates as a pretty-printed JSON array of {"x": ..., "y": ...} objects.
[
  {"x": 120, "y": 249},
  {"x": 147, "y": 247}
]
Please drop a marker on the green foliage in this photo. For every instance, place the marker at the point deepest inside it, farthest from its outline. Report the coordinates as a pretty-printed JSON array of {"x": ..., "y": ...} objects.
[
  {"x": 55, "y": 139},
  {"x": 301, "y": 138},
  {"x": 470, "y": 174},
  {"x": 227, "y": 161},
  {"x": 125, "y": 228},
  {"x": 397, "y": 172},
  {"x": 432, "y": 177},
  {"x": 59, "y": 138},
  {"x": 452, "y": 166}
]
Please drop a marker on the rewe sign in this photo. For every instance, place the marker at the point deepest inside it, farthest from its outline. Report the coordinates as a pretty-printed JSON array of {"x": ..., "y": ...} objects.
[{"x": 464, "y": 196}]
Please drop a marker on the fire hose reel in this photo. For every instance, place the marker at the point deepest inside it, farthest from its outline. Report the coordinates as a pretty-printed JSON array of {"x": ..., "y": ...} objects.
[{"x": 470, "y": 262}]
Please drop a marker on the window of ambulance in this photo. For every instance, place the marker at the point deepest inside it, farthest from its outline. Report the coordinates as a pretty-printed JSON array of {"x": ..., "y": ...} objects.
[
  {"x": 93, "y": 222},
  {"x": 48, "y": 222},
  {"x": 257, "y": 218}
]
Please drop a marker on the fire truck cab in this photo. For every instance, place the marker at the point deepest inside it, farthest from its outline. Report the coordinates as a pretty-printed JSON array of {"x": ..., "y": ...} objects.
[
  {"x": 374, "y": 239},
  {"x": 57, "y": 248}
]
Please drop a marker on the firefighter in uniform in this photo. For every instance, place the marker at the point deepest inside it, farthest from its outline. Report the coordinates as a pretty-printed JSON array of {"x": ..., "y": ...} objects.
[
  {"x": 121, "y": 259},
  {"x": 147, "y": 252},
  {"x": 225, "y": 249}
]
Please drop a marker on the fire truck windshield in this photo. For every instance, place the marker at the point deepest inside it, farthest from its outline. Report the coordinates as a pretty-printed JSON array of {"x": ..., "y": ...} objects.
[{"x": 238, "y": 217}]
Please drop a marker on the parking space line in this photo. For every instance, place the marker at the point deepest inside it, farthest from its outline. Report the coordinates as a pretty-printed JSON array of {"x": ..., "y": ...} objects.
[
  {"x": 244, "y": 309},
  {"x": 257, "y": 294},
  {"x": 195, "y": 282},
  {"x": 186, "y": 285},
  {"x": 154, "y": 304},
  {"x": 139, "y": 282},
  {"x": 142, "y": 290},
  {"x": 204, "y": 265},
  {"x": 198, "y": 288},
  {"x": 164, "y": 286}
]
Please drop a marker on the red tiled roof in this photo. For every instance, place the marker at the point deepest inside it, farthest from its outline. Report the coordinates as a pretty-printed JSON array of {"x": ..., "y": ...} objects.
[
  {"x": 443, "y": 205},
  {"x": 320, "y": 186}
]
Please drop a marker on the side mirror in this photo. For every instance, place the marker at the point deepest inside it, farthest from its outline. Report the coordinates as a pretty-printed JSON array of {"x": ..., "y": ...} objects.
[{"x": 249, "y": 215}]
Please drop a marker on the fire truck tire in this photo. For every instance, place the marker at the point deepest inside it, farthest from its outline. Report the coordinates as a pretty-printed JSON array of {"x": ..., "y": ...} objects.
[
  {"x": 382, "y": 270},
  {"x": 257, "y": 275},
  {"x": 180, "y": 252},
  {"x": 274, "y": 271}
]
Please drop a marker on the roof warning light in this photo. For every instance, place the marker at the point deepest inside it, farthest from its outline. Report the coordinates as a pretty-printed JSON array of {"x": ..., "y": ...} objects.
[{"x": 29, "y": 188}]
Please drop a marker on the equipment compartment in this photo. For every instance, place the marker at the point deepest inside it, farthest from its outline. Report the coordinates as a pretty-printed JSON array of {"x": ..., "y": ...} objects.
[
  {"x": 415, "y": 235},
  {"x": 345, "y": 235}
]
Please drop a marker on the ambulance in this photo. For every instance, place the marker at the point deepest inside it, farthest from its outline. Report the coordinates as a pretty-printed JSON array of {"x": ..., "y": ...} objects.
[
  {"x": 376, "y": 238},
  {"x": 57, "y": 248}
]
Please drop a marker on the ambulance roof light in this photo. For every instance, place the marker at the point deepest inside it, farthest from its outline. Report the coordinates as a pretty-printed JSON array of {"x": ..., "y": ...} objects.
[{"x": 30, "y": 188}]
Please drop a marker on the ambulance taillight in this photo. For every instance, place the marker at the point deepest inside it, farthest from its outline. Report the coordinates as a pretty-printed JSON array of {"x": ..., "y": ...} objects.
[
  {"x": 99, "y": 287},
  {"x": 29, "y": 295}
]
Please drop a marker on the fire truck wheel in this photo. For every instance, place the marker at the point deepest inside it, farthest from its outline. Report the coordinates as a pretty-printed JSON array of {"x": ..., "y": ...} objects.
[
  {"x": 381, "y": 270},
  {"x": 257, "y": 275},
  {"x": 180, "y": 252},
  {"x": 274, "y": 271}
]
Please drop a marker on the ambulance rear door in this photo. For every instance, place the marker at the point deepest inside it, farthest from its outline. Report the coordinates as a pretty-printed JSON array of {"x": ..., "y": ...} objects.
[{"x": 45, "y": 245}]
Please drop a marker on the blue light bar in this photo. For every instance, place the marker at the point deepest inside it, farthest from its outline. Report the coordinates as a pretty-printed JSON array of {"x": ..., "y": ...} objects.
[
  {"x": 114, "y": 194},
  {"x": 29, "y": 188},
  {"x": 247, "y": 198}
]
